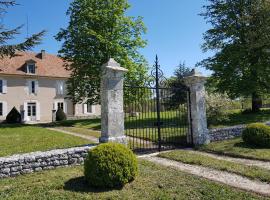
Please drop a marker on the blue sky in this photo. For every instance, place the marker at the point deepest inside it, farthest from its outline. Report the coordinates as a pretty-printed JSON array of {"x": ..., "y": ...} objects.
[{"x": 175, "y": 29}]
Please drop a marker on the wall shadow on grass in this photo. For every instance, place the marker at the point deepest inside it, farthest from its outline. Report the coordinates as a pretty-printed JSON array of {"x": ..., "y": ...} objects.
[
  {"x": 246, "y": 146},
  {"x": 79, "y": 184}
]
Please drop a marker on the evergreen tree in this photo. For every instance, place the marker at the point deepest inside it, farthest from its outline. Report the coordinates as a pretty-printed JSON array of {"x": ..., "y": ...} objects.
[
  {"x": 240, "y": 38},
  {"x": 177, "y": 85},
  {"x": 99, "y": 30},
  {"x": 5, "y": 35}
]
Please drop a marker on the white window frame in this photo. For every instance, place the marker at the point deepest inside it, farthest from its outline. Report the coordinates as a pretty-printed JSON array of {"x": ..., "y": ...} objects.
[
  {"x": 85, "y": 109},
  {"x": 60, "y": 87},
  {"x": 55, "y": 105},
  {"x": 29, "y": 86},
  {"x": 4, "y": 86},
  {"x": 28, "y": 68},
  {"x": 38, "y": 110}
]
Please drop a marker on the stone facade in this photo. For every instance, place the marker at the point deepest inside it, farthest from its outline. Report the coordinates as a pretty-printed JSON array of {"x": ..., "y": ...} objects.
[
  {"x": 34, "y": 162},
  {"x": 219, "y": 134},
  {"x": 112, "y": 111},
  {"x": 195, "y": 82}
]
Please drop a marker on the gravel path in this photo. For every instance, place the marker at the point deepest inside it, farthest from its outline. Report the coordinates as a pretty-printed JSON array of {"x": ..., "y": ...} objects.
[
  {"x": 257, "y": 163},
  {"x": 91, "y": 138},
  {"x": 215, "y": 175}
]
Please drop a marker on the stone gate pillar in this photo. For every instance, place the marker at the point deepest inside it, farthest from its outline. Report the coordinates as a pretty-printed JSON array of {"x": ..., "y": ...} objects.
[
  {"x": 112, "y": 112},
  {"x": 195, "y": 82}
]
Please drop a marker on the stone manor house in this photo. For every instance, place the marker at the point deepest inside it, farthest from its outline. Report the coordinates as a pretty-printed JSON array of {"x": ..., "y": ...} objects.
[{"x": 34, "y": 83}]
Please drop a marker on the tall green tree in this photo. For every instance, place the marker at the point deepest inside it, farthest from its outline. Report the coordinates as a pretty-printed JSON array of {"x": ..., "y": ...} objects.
[
  {"x": 177, "y": 85},
  {"x": 9, "y": 34},
  {"x": 99, "y": 30},
  {"x": 240, "y": 38}
]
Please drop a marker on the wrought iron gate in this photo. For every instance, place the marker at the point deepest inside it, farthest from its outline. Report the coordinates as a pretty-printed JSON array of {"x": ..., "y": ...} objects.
[{"x": 156, "y": 115}]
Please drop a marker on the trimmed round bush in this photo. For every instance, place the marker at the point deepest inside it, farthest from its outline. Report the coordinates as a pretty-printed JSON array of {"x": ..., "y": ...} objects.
[
  {"x": 60, "y": 115},
  {"x": 13, "y": 116},
  {"x": 110, "y": 165},
  {"x": 257, "y": 134}
]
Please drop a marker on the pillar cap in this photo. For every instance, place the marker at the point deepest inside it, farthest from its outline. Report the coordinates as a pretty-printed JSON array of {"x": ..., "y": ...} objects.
[{"x": 114, "y": 66}]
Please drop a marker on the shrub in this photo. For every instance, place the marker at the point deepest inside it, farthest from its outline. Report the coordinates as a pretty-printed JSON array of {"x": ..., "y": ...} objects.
[
  {"x": 216, "y": 107},
  {"x": 257, "y": 135},
  {"x": 60, "y": 115},
  {"x": 110, "y": 165},
  {"x": 13, "y": 116}
]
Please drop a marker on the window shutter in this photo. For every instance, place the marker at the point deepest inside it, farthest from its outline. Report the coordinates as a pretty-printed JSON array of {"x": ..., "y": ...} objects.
[
  {"x": 65, "y": 107},
  {"x": 55, "y": 106},
  {"x": 29, "y": 86},
  {"x": 38, "y": 111},
  {"x": 25, "y": 116},
  {"x": 36, "y": 87},
  {"x": 57, "y": 87},
  {"x": 85, "y": 108},
  {"x": 4, "y": 86},
  {"x": 5, "y": 109}
]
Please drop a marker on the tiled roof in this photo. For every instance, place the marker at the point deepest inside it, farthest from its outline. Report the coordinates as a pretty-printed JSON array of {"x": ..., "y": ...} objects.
[{"x": 48, "y": 66}]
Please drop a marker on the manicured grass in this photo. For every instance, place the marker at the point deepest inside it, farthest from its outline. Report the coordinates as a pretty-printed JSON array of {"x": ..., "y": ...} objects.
[
  {"x": 82, "y": 131},
  {"x": 174, "y": 126},
  {"x": 237, "y": 148},
  {"x": 207, "y": 161},
  {"x": 236, "y": 117},
  {"x": 153, "y": 182},
  {"x": 19, "y": 139},
  {"x": 83, "y": 123}
]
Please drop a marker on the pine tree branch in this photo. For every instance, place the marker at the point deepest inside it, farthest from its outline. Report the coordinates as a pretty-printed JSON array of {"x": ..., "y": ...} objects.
[{"x": 10, "y": 50}]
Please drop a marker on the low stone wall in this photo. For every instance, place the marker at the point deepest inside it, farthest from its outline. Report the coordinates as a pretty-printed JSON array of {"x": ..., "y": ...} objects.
[
  {"x": 33, "y": 162},
  {"x": 219, "y": 134}
]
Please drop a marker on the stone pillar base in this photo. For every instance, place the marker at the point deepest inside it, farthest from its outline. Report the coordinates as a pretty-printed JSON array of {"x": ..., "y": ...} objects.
[{"x": 121, "y": 140}]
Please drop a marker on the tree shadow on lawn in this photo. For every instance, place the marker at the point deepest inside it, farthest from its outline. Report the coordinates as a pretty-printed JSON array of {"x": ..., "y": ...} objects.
[
  {"x": 246, "y": 146},
  {"x": 79, "y": 184}
]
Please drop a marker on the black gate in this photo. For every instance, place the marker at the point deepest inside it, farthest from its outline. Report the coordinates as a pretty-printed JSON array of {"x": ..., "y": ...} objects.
[{"x": 156, "y": 115}]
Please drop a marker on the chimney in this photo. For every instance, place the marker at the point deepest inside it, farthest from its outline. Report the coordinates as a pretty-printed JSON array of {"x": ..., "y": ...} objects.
[{"x": 42, "y": 54}]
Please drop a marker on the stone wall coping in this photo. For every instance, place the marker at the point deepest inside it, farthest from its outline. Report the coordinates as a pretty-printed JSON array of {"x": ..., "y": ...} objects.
[
  {"x": 41, "y": 154},
  {"x": 235, "y": 127},
  {"x": 227, "y": 128}
]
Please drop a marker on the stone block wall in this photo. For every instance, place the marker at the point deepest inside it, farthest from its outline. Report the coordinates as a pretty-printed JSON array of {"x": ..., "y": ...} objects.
[
  {"x": 219, "y": 134},
  {"x": 34, "y": 162}
]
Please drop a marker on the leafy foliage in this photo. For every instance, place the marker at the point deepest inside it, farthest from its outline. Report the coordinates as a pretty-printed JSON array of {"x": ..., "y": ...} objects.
[
  {"x": 110, "y": 165},
  {"x": 5, "y": 35},
  {"x": 257, "y": 134},
  {"x": 178, "y": 87},
  {"x": 13, "y": 116},
  {"x": 216, "y": 106},
  {"x": 240, "y": 37},
  {"x": 99, "y": 30},
  {"x": 60, "y": 115}
]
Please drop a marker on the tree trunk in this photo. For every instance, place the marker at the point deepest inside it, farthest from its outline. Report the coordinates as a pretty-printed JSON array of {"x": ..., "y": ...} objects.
[{"x": 256, "y": 102}]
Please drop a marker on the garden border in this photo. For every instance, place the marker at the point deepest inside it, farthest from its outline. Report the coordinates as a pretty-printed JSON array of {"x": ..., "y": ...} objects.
[
  {"x": 38, "y": 161},
  {"x": 220, "y": 134}
]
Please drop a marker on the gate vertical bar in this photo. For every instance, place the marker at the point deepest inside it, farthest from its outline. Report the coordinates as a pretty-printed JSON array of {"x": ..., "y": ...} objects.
[{"x": 158, "y": 103}]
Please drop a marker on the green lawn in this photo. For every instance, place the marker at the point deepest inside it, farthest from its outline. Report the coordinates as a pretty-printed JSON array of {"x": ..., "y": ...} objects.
[
  {"x": 93, "y": 124},
  {"x": 237, "y": 148},
  {"x": 82, "y": 131},
  {"x": 236, "y": 117},
  {"x": 19, "y": 139},
  {"x": 207, "y": 161},
  {"x": 153, "y": 182},
  {"x": 174, "y": 126}
]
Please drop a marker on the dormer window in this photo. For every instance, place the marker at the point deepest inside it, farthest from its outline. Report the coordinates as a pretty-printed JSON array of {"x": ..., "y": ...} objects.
[{"x": 31, "y": 68}]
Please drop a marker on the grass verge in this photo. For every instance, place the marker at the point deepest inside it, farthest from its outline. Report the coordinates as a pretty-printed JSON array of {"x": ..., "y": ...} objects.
[
  {"x": 207, "y": 161},
  {"x": 237, "y": 148},
  {"x": 153, "y": 182},
  {"x": 17, "y": 139},
  {"x": 81, "y": 131}
]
